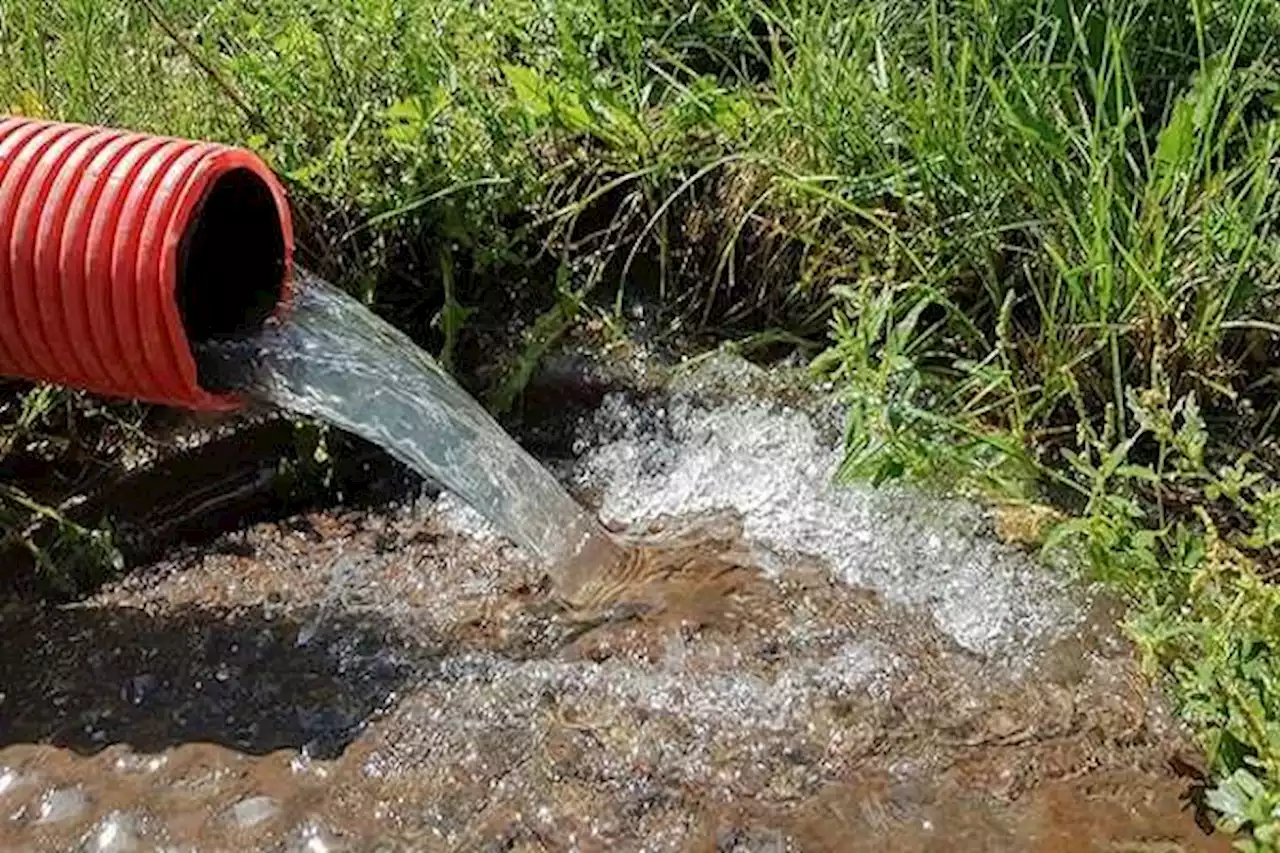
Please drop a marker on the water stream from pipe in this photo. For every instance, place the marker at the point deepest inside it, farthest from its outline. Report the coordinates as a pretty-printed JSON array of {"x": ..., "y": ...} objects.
[{"x": 331, "y": 358}]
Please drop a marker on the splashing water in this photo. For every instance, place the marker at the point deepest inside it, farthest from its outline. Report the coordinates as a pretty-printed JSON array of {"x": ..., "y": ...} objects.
[
  {"x": 332, "y": 358},
  {"x": 772, "y": 464}
]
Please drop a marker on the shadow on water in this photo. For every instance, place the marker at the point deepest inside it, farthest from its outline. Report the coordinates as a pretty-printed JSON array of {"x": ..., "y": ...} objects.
[
  {"x": 261, "y": 471},
  {"x": 85, "y": 678}
]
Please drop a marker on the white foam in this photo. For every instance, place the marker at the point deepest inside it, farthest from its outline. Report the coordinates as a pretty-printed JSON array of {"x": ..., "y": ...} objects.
[
  {"x": 716, "y": 703},
  {"x": 772, "y": 464},
  {"x": 457, "y": 517},
  {"x": 117, "y": 832}
]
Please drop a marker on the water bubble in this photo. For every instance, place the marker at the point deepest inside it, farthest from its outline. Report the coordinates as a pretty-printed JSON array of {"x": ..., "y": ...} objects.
[
  {"x": 134, "y": 763},
  {"x": 776, "y": 467},
  {"x": 314, "y": 838},
  {"x": 62, "y": 804},
  {"x": 116, "y": 833},
  {"x": 253, "y": 811},
  {"x": 10, "y": 779}
]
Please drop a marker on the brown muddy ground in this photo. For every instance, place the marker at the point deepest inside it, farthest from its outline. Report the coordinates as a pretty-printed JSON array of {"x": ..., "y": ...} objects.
[{"x": 375, "y": 681}]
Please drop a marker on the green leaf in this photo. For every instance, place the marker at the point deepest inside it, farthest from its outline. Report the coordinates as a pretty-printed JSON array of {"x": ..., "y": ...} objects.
[
  {"x": 570, "y": 112},
  {"x": 1034, "y": 127},
  {"x": 530, "y": 88},
  {"x": 410, "y": 109},
  {"x": 889, "y": 469},
  {"x": 1237, "y": 797},
  {"x": 1138, "y": 472},
  {"x": 1038, "y": 128},
  {"x": 1078, "y": 528},
  {"x": 407, "y": 120},
  {"x": 1176, "y": 145},
  {"x": 880, "y": 71}
]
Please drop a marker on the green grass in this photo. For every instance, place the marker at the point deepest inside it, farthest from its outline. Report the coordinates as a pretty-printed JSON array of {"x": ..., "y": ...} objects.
[{"x": 1032, "y": 238}]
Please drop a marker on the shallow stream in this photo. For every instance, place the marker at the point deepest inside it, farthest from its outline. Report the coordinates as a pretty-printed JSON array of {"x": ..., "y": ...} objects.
[{"x": 810, "y": 668}]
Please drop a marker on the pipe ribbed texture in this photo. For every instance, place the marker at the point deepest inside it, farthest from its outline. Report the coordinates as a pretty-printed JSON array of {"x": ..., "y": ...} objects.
[{"x": 91, "y": 228}]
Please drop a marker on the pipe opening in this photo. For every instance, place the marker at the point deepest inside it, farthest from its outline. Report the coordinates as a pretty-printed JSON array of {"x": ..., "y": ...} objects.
[{"x": 232, "y": 260}]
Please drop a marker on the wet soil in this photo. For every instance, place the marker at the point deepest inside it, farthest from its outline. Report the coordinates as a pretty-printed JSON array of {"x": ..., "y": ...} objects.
[{"x": 375, "y": 679}]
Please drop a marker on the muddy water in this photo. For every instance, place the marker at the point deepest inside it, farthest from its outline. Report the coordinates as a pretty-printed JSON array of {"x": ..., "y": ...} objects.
[{"x": 780, "y": 666}]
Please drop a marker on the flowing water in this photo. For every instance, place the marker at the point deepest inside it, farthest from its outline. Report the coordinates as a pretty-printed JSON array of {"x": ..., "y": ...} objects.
[
  {"x": 332, "y": 358},
  {"x": 821, "y": 670}
]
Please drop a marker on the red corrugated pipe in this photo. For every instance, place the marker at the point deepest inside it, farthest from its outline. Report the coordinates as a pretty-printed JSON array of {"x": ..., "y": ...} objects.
[{"x": 119, "y": 251}]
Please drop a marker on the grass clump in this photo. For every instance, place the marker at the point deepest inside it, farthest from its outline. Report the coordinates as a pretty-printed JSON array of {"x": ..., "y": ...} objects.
[
  {"x": 1075, "y": 301},
  {"x": 1037, "y": 235}
]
